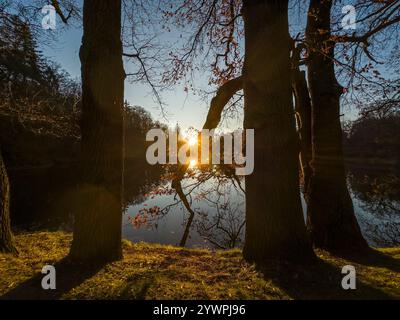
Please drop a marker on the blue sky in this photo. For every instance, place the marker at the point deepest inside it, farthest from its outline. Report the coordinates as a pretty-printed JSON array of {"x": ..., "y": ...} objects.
[
  {"x": 184, "y": 108},
  {"x": 187, "y": 109}
]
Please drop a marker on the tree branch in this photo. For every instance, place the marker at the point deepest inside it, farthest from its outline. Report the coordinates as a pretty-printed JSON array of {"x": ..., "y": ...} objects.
[
  {"x": 56, "y": 5},
  {"x": 364, "y": 38},
  {"x": 224, "y": 94}
]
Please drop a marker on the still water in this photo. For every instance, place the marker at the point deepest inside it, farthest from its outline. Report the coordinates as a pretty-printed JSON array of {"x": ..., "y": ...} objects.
[
  {"x": 154, "y": 214},
  {"x": 219, "y": 204}
]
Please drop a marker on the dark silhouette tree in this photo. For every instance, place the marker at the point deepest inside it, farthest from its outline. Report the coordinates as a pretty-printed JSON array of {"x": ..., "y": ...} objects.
[
  {"x": 275, "y": 227},
  {"x": 6, "y": 237},
  {"x": 98, "y": 221},
  {"x": 274, "y": 218},
  {"x": 330, "y": 213}
]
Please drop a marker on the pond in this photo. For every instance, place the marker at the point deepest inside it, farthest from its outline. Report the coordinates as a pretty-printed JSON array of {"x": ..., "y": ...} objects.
[
  {"x": 219, "y": 206},
  {"x": 154, "y": 214}
]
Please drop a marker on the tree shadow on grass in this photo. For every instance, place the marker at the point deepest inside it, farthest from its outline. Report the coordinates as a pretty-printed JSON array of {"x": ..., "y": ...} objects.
[
  {"x": 68, "y": 276},
  {"x": 374, "y": 258},
  {"x": 320, "y": 281},
  {"x": 137, "y": 286}
]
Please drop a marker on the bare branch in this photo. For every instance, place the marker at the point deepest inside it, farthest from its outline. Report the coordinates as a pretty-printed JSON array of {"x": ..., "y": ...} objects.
[{"x": 64, "y": 18}]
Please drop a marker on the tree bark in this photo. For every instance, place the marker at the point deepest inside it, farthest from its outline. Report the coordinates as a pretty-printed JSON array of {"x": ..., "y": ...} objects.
[
  {"x": 6, "y": 237},
  {"x": 303, "y": 112},
  {"x": 331, "y": 219},
  {"x": 275, "y": 227},
  {"x": 98, "y": 221}
]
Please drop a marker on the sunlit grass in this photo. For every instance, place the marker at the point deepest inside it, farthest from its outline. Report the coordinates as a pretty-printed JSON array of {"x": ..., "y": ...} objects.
[{"x": 150, "y": 271}]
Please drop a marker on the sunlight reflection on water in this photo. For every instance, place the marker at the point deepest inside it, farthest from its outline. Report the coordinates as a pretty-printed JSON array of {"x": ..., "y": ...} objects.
[{"x": 219, "y": 221}]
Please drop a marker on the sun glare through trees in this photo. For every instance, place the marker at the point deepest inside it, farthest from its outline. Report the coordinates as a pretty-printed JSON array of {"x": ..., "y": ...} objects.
[{"x": 217, "y": 150}]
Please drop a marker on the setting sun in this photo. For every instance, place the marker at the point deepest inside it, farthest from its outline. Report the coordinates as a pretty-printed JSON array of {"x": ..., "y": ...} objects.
[
  {"x": 192, "y": 163},
  {"x": 192, "y": 141}
]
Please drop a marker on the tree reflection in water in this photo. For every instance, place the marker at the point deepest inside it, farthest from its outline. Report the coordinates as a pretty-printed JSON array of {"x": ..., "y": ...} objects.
[
  {"x": 225, "y": 228},
  {"x": 377, "y": 194},
  {"x": 216, "y": 198}
]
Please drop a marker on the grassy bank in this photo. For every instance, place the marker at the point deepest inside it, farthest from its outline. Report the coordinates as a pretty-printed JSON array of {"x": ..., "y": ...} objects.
[{"x": 166, "y": 272}]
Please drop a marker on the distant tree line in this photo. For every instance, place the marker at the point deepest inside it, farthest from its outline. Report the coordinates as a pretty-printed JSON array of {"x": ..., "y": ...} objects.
[
  {"x": 29, "y": 80},
  {"x": 374, "y": 138}
]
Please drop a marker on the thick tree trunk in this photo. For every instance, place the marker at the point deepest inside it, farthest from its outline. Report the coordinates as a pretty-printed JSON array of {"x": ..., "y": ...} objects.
[
  {"x": 275, "y": 227},
  {"x": 331, "y": 218},
  {"x": 303, "y": 112},
  {"x": 6, "y": 237},
  {"x": 97, "y": 233}
]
